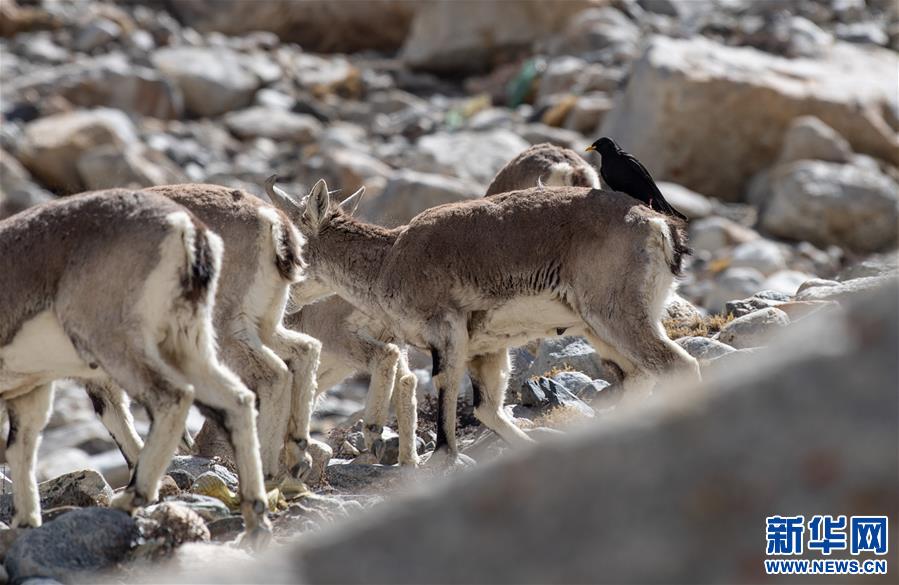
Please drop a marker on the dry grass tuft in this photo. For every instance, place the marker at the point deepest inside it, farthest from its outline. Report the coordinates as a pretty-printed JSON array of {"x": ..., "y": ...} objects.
[
  {"x": 560, "y": 417},
  {"x": 698, "y": 327},
  {"x": 565, "y": 367}
]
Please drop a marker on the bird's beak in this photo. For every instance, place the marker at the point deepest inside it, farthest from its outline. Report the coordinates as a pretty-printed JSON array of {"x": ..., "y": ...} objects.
[{"x": 590, "y": 148}]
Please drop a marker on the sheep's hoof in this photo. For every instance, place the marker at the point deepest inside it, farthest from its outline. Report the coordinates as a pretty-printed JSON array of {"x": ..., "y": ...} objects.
[
  {"x": 29, "y": 521},
  {"x": 128, "y": 501},
  {"x": 258, "y": 538},
  {"x": 442, "y": 459}
]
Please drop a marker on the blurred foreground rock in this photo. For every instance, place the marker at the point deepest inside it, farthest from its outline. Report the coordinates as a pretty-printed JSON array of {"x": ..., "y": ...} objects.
[
  {"x": 74, "y": 546},
  {"x": 805, "y": 427}
]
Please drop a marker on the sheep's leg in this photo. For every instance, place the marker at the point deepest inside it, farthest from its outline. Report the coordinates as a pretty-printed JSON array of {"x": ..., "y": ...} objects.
[
  {"x": 448, "y": 367},
  {"x": 262, "y": 370},
  {"x": 383, "y": 368},
  {"x": 404, "y": 402},
  {"x": 643, "y": 351},
  {"x": 28, "y": 414},
  {"x": 222, "y": 397},
  {"x": 167, "y": 399},
  {"x": 112, "y": 406},
  {"x": 489, "y": 377},
  {"x": 302, "y": 353}
]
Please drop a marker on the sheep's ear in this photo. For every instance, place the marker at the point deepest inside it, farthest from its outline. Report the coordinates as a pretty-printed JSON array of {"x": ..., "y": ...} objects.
[
  {"x": 317, "y": 203},
  {"x": 282, "y": 200},
  {"x": 351, "y": 203}
]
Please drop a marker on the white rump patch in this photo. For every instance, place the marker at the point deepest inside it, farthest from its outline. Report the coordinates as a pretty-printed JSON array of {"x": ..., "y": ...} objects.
[
  {"x": 559, "y": 175},
  {"x": 39, "y": 353}
]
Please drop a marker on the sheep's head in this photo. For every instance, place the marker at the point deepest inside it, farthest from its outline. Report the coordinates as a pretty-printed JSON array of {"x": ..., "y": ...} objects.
[{"x": 314, "y": 210}]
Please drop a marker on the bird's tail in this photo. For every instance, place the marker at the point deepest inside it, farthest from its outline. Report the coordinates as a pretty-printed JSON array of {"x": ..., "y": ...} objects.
[{"x": 667, "y": 209}]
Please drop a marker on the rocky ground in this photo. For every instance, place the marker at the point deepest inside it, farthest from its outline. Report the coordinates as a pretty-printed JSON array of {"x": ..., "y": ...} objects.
[{"x": 771, "y": 125}]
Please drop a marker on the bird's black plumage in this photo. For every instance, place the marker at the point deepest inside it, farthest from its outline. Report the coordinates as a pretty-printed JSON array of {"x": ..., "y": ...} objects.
[{"x": 622, "y": 172}]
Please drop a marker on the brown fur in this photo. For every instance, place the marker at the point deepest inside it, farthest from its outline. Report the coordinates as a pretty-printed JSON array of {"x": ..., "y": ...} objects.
[{"x": 536, "y": 164}]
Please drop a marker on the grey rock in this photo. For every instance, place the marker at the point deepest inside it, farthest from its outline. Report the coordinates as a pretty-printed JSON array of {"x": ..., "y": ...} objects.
[
  {"x": 17, "y": 190},
  {"x": 213, "y": 80},
  {"x": 166, "y": 526},
  {"x": 603, "y": 35},
  {"x": 183, "y": 479},
  {"x": 79, "y": 488},
  {"x": 843, "y": 291},
  {"x": 763, "y": 255},
  {"x": 545, "y": 393},
  {"x": 572, "y": 381},
  {"x": 741, "y": 307},
  {"x": 225, "y": 529},
  {"x": 408, "y": 193},
  {"x": 733, "y": 283},
  {"x": 766, "y": 415},
  {"x": 110, "y": 80},
  {"x": 275, "y": 123},
  {"x": 53, "y": 145},
  {"x": 206, "y": 507},
  {"x": 321, "y": 454},
  {"x": 538, "y": 133},
  {"x": 690, "y": 203},
  {"x": 317, "y": 25},
  {"x": 588, "y": 112},
  {"x": 74, "y": 546},
  {"x": 568, "y": 353},
  {"x": 827, "y": 203},
  {"x": 358, "y": 478},
  {"x": 132, "y": 166},
  {"x": 704, "y": 349},
  {"x": 449, "y": 36},
  {"x": 810, "y": 138},
  {"x": 97, "y": 33},
  {"x": 680, "y": 310},
  {"x": 874, "y": 265},
  {"x": 755, "y": 329},
  {"x": 353, "y": 169},
  {"x": 862, "y": 32},
  {"x": 786, "y": 281},
  {"x": 560, "y": 75},
  {"x": 476, "y": 156},
  {"x": 387, "y": 450},
  {"x": 714, "y": 233},
  {"x": 197, "y": 466}
]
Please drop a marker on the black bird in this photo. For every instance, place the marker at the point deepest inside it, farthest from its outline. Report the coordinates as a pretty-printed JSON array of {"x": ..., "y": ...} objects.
[{"x": 622, "y": 172}]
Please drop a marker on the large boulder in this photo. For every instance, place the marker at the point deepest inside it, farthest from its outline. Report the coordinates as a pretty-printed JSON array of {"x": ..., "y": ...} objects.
[
  {"x": 318, "y": 25},
  {"x": 453, "y": 36},
  {"x": 832, "y": 204},
  {"x": 408, "y": 193},
  {"x": 53, "y": 145},
  {"x": 213, "y": 80},
  {"x": 708, "y": 116}
]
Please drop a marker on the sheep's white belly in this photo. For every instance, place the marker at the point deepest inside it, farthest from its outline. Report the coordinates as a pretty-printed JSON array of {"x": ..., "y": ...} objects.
[
  {"x": 521, "y": 320},
  {"x": 39, "y": 353}
]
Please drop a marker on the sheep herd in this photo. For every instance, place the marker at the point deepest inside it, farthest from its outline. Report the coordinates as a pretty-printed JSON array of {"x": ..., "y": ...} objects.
[{"x": 205, "y": 295}]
